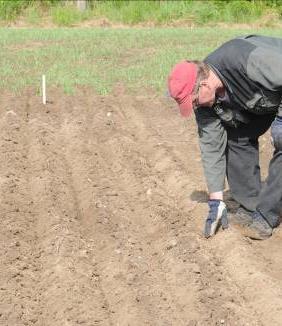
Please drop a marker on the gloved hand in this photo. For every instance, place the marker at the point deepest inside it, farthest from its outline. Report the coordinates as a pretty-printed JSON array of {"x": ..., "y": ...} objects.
[
  {"x": 217, "y": 216},
  {"x": 276, "y": 133}
]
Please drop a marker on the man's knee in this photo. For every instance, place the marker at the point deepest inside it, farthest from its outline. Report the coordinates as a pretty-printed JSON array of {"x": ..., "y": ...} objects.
[{"x": 276, "y": 133}]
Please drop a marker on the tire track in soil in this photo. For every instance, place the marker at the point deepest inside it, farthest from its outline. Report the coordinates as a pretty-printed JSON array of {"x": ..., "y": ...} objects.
[
  {"x": 67, "y": 290},
  {"x": 117, "y": 256},
  {"x": 109, "y": 235}
]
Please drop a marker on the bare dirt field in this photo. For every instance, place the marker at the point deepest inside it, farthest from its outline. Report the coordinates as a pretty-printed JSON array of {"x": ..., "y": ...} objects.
[{"x": 102, "y": 208}]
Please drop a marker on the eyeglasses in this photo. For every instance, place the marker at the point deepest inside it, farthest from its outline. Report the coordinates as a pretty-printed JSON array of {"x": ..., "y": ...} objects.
[{"x": 195, "y": 95}]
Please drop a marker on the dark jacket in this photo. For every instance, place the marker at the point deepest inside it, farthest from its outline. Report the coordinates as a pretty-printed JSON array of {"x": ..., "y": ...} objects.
[{"x": 251, "y": 70}]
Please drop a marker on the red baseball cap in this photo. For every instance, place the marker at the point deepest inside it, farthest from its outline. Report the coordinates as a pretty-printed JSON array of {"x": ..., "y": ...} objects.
[{"x": 181, "y": 82}]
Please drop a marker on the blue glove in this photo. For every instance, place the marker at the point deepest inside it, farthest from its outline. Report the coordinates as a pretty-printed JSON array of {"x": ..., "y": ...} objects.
[
  {"x": 217, "y": 216},
  {"x": 276, "y": 133}
]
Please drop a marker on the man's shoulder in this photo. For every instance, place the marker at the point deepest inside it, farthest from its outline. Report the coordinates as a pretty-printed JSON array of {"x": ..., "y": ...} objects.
[
  {"x": 236, "y": 48},
  {"x": 266, "y": 42}
]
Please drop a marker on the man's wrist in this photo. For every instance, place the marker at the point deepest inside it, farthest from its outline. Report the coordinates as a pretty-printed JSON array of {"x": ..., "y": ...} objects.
[{"x": 216, "y": 195}]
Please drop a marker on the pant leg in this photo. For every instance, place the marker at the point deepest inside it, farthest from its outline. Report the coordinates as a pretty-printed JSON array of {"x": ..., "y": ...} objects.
[
  {"x": 243, "y": 171},
  {"x": 270, "y": 198},
  {"x": 242, "y": 154}
]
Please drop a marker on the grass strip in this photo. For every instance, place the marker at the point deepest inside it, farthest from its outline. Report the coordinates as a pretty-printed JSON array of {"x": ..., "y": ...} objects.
[{"x": 103, "y": 57}]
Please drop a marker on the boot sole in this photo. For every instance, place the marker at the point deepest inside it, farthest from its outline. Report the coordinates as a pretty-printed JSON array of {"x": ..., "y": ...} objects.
[{"x": 252, "y": 234}]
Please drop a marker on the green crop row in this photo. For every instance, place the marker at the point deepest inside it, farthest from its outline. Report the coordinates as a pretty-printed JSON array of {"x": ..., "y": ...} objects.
[{"x": 100, "y": 58}]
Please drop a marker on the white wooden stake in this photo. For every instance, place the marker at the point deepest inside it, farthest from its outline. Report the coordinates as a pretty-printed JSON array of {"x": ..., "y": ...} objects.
[
  {"x": 44, "y": 89},
  {"x": 81, "y": 5}
]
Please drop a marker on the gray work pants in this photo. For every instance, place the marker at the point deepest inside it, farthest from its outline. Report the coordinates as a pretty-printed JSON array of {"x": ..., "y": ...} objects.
[{"x": 243, "y": 170}]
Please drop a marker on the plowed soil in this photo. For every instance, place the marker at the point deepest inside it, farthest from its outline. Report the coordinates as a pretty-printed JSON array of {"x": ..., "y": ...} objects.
[{"x": 102, "y": 206}]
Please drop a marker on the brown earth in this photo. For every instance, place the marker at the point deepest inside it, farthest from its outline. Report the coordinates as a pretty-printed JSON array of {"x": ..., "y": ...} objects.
[{"x": 102, "y": 208}]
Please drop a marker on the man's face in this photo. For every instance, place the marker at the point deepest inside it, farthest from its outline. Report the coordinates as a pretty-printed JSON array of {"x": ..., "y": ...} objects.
[{"x": 205, "y": 96}]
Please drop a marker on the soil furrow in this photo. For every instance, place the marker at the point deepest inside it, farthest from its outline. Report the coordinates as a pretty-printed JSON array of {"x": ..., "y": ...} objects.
[
  {"x": 129, "y": 182},
  {"x": 206, "y": 263},
  {"x": 70, "y": 291},
  {"x": 102, "y": 207},
  {"x": 19, "y": 251}
]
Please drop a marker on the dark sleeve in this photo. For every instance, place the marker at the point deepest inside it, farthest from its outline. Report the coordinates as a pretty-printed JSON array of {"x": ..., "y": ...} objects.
[{"x": 213, "y": 140}]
